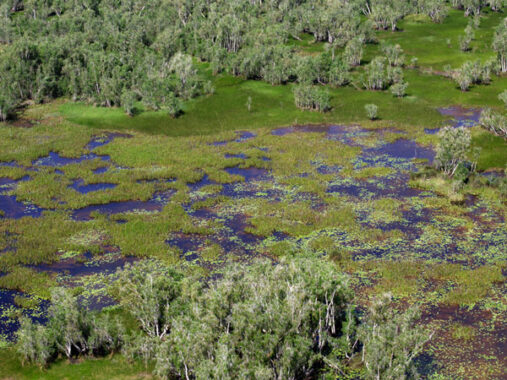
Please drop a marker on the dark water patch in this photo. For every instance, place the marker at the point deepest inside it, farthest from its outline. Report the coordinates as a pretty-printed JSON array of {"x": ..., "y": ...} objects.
[
  {"x": 493, "y": 174},
  {"x": 231, "y": 236},
  {"x": 79, "y": 186},
  {"x": 86, "y": 264},
  {"x": 98, "y": 141},
  {"x": 9, "y": 326},
  {"x": 55, "y": 160},
  {"x": 461, "y": 117},
  {"x": 13, "y": 209},
  {"x": 325, "y": 169},
  {"x": 461, "y": 113},
  {"x": 402, "y": 149},
  {"x": 101, "y": 170},
  {"x": 152, "y": 205},
  {"x": 342, "y": 133},
  {"x": 250, "y": 174},
  {"x": 191, "y": 257},
  {"x": 431, "y": 131},
  {"x": 204, "y": 181},
  {"x": 245, "y": 135},
  {"x": 240, "y": 155},
  {"x": 283, "y": 131},
  {"x": 392, "y": 187},
  {"x": 12, "y": 164},
  {"x": 186, "y": 242}
]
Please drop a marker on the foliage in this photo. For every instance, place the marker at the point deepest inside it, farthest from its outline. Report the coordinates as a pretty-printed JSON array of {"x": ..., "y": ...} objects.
[
  {"x": 308, "y": 97},
  {"x": 70, "y": 330},
  {"x": 371, "y": 111},
  {"x": 494, "y": 122},
  {"x": 466, "y": 40},
  {"x": 353, "y": 51},
  {"x": 503, "y": 97},
  {"x": 237, "y": 328},
  {"x": 500, "y": 44},
  {"x": 394, "y": 54},
  {"x": 399, "y": 89},
  {"x": 149, "y": 292},
  {"x": 375, "y": 77},
  {"x": 391, "y": 340},
  {"x": 452, "y": 149}
]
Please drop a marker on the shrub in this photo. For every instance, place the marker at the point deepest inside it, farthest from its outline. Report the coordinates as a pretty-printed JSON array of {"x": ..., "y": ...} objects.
[
  {"x": 452, "y": 149},
  {"x": 173, "y": 105},
  {"x": 375, "y": 77},
  {"x": 353, "y": 51},
  {"x": 503, "y": 97},
  {"x": 500, "y": 44},
  {"x": 148, "y": 293},
  {"x": 398, "y": 89},
  {"x": 466, "y": 40},
  {"x": 394, "y": 54},
  {"x": 339, "y": 73},
  {"x": 7, "y": 104},
  {"x": 462, "y": 78},
  {"x": 494, "y": 122},
  {"x": 309, "y": 97},
  {"x": 128, "y": 99},
  {"x": 371, "y": 111},
  {"x": 71, "y": 330}
]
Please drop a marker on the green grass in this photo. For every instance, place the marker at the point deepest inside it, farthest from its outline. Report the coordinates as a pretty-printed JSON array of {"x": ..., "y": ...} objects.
[
  {"x": 493, "y": 150},
  {"x": 116, "y": 367},
  {"x": 428, "y": 41}
]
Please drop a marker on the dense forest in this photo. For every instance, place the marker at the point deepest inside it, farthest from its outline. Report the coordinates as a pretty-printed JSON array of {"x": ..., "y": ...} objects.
[{"x": 114, "y": 53}]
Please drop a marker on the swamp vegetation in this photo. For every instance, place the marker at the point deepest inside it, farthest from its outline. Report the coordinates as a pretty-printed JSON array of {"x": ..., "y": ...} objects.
[{"x": 243, "y": 189}]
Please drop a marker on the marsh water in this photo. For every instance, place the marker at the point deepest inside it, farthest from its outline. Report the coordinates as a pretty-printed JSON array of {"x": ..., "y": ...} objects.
[{"x": 412, "y": 225}]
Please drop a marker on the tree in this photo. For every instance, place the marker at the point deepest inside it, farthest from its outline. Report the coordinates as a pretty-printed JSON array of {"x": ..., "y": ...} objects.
[
  {"x": 70, "y": 330},
  {"x": 263, "y": 321},
  {"x": 435, "y": 9},
  {"x": 375, "y": 74},
  {"x": 394, "y": 54},
  {"x": 338, "y": 74},
  {"x": 149, "y": 292},
  {"x": 353, "y": 51},
  {"x": 500, "y": 44},
  {"x": 452, "y": 149},
  {"x": 391, "y": 341},
  {"x": 128, "y": 99},
  {"x": 466, "y": 40},
  {"x": 494, "y": 122},
  {"x": 398, "y": 89},
  {"x": 33, "y": 343},
  {"x": 503, "y": 97},
  {"x": 463, "y": 78},
  {"x": 68, "y": 324},
  {"x": 309, "y": 97},
  {"x": 371, "y": 111}
]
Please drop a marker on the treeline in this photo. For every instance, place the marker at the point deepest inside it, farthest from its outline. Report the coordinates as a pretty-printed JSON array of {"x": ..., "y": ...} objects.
[
  {"x": 118, "y": 52},
  {"x": 293, "y": 320}
]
